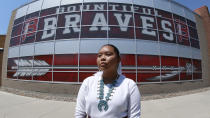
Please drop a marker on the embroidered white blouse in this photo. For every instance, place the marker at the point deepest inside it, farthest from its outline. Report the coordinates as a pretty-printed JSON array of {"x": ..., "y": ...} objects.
[{"x": 125, "y": 99}]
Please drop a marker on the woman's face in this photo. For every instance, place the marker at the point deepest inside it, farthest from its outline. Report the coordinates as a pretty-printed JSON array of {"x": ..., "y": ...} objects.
[{"x": 107, "y": 59}]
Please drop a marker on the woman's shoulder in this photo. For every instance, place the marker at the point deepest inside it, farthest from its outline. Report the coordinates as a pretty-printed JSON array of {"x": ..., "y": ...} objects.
[{"x": 131, "y": 85}]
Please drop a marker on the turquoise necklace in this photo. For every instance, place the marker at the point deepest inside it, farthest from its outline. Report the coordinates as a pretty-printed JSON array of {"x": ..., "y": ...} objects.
[{"x": 104, "y": 103}]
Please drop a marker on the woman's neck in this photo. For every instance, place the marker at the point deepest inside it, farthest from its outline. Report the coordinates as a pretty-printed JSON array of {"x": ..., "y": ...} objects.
[{"x": 109, "y": 77}]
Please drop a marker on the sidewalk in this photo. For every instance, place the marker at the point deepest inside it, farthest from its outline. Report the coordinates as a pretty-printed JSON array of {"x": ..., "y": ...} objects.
[{"x": 188, "y": 106}]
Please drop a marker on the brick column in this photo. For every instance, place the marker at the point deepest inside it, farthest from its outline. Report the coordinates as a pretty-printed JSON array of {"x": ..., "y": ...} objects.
[{"x": 205, "y": 16}]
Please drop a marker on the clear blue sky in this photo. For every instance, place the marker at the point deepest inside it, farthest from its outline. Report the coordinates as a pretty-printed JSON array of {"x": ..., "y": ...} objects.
[{"x": 9, "y": 5}]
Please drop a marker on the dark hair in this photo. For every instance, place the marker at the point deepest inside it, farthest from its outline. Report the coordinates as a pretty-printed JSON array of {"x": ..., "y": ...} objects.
[{"x": 115, "y": 49}]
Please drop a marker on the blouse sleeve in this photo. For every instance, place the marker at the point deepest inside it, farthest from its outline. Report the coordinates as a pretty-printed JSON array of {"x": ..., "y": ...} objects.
[
  {"x": 81, "y": 103},
  {"x": 134, "y": 106}
]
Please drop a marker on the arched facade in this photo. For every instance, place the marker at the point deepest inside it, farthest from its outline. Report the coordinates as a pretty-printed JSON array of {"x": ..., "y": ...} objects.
[{"x": 57, "y": 41}]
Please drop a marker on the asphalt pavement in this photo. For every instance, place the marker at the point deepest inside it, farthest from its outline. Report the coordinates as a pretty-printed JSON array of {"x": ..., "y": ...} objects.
[{"x": 195, "y": 105}]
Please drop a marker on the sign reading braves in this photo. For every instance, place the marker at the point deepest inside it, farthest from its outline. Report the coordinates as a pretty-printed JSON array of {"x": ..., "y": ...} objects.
[{"x": 147, "y": 23}]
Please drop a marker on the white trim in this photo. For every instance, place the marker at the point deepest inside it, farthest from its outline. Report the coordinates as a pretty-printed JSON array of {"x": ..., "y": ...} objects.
[
  {"x": 66, "y": 2},
  {"x": 34, "y": 6},
  {"x": 147, "y": 47},
  {"x": 85, "y": 1},
  {"x": 91, "y": 46},
  {"x": 121, "y": 1},
  {"x": 148, "y": 3},
  {"x": 66, "y": 46},
  {"x": 177, "y": 9},
  {"x": 189, "y": 15},
  {"x": 126, "y": 46},
  {"x": 13, "y": 52},
  {"x": 21, "y": 12},
  {"x": 185, "y": 51},
  {"x": 168, "y": 49},
  {"x": 46, "y": 48},
  {"x": 196, "y": 54},
  {"x": 26, "y": 50},
  {"x": 50, "y": 4},
  {"x": 163, "y": 5}
]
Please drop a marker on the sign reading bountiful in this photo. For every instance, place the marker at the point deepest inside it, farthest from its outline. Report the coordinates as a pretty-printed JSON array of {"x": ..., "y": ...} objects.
[{"x": 59, "y": 43}]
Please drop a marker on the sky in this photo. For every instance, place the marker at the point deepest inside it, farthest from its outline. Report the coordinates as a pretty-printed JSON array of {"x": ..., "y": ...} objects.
[{"x": 9, "y": 5}]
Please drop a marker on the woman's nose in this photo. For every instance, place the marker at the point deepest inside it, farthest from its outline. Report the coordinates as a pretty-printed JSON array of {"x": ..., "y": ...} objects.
[{"x": 103, "y": 57}]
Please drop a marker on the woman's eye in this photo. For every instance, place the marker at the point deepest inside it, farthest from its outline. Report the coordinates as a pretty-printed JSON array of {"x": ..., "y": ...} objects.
[{"x": 108, "y": 54}]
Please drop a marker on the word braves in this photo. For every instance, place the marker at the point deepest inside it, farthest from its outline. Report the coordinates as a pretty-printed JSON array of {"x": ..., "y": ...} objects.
[
  {"x": 123, "y": 20},
  {"x": 120, "y": 20}
]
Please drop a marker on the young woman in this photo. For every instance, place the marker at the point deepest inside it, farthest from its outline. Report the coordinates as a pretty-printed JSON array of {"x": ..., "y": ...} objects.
[{"x": 108, "y": 94}]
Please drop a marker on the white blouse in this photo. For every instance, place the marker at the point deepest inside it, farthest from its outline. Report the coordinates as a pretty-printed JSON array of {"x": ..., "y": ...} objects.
[{"x": 125, "y": 99}]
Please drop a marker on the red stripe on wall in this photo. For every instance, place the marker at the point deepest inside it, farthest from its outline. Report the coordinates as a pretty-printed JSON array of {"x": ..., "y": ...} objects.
[
  {"x": 84, "y": 75},
  {"x": 46, "y": 77},
  {"x": 66, "y": 59},
  {"x": 65, "y": 76},
  {"x": 128, "y": 60},
  {"x": 88, "y": 59},
  {"x": 148, "y": 77}
]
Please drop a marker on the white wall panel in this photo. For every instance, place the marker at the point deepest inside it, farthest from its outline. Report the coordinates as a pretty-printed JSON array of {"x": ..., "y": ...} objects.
[
  {"x": 184, "y": 51},
  {"x": 50, "y": 3},
  {"x": 44, "y": 48},
  {"x": 147, "y": 47},
  {"x": 13, "y": 52},
  {"x": 189, "y": 14},
  {"x": 177, "y": 9},
  {"x": 26, "y": 50},
  {"x": 67, "y": 46},
  {"x": 66, "y": 2},
  {"x": 168, "y": 49},
  {"x": 163, "y": 4},
  {"x": 35, "y": 6},
  {"x": 125, "y": 46},
  {"x": 96, "y": 0},
  {"x": 21, "y": 12},
  {"x": 144, "y": 2},
  {"x": 121, "y": 1},
  {"x": 196, "y": 54},
  {"x": 91, "y": 45}
]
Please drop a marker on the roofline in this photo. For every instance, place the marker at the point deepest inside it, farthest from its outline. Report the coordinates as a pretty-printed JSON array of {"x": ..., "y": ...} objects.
[{"x": 168, "y": 0}]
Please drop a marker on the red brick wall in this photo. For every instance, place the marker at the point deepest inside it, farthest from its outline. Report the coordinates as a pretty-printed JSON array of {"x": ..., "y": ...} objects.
[{"x": 2, "y": 39}]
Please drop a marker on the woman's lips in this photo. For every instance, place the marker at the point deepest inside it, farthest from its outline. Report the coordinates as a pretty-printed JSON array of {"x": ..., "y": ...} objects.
[{"x": 103, "y": 64}]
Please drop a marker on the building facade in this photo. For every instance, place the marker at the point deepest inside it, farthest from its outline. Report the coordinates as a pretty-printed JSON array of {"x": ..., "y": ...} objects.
[{"x": 52, "y": 45}]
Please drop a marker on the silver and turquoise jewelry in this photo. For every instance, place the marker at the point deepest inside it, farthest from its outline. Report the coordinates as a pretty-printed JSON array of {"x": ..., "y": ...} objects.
[{"x": 104, "y": 103}]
